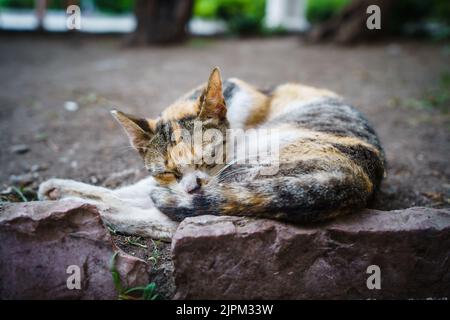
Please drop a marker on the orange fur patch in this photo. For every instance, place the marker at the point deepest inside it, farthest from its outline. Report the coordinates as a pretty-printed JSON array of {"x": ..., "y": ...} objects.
[
  {"x": 286, "y": 93},
  {"x": 181, "y": 109}
]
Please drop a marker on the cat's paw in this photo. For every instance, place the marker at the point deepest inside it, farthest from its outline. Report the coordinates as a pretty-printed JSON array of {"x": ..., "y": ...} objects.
[
  {"x": 175, "y": 205},
  {"x": 51, "y": 189},
  {"x": 163, "y": 197}
]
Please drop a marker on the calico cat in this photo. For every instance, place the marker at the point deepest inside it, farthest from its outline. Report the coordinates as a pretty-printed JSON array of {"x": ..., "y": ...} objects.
[{"x": 329, "y": 159}]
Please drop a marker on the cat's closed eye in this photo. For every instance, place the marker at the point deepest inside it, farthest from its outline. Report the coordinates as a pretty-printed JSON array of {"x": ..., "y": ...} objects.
[{"x": 167, "y": 176}]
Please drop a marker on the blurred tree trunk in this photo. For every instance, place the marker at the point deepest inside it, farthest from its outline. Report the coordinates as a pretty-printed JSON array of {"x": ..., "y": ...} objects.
[
  {"x": 161, "y": 21},
  {"x": 349, "y": 26}
]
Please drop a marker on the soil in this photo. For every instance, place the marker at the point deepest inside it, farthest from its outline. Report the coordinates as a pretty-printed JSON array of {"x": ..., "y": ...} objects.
[
  {"x": 41, "y": 73},
  {"x": 157, "y": 253}
]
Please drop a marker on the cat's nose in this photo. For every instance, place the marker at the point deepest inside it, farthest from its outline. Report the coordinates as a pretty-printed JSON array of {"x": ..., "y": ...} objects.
[
  {"x": 193, "y": 187},
  {"x": 191, "y": 183}
]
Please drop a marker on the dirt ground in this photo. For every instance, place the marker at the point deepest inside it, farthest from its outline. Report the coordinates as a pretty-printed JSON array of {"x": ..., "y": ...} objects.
[{"x": 40, "y": 73}]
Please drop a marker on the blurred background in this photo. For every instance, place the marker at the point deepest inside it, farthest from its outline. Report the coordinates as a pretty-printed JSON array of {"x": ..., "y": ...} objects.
[
  {"x": 58, "y": 84},
  {"x": 169, "y": 21}
]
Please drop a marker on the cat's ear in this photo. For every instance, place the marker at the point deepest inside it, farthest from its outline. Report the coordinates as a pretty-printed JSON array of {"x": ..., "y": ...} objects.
[
  {"x": 212, "y": 102},
  {"x": 138, "y": 129}
]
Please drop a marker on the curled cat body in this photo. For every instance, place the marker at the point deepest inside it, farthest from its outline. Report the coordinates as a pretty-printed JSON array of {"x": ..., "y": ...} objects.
[{"x": 329, "y": 159}]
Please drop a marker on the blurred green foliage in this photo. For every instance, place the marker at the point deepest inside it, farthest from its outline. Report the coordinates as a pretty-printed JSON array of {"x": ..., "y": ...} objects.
[
  {"x": 114, "y": 6},
  {"x": 20, "y": 4},
  {"x": 407, "y": 11},
  {"x": 413, "y": 17},
  {"x": 242, "y": 16},
  {"x": 407, "y": 16},
  {"x": 206, "y": 8},
  {"x": 441, "y": 10},
  {"x": 246, "y": 16},
  {"x": 322, "y": 10},
  {"x": 404, "y": 11}
]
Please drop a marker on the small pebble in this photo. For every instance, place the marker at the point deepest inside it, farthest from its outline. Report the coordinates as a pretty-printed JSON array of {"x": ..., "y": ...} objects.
[
  {"x": 71, "y": 106},
  {"x": 20, "y": 148},
  {"x": 93, "y": 179}
]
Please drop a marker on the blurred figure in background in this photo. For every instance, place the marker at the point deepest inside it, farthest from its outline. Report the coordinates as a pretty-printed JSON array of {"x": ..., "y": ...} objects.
[{"x": 41, "y": 7}]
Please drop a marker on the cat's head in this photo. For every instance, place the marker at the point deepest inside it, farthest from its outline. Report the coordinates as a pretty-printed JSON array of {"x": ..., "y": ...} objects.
[{"x": 167, "y": 144}]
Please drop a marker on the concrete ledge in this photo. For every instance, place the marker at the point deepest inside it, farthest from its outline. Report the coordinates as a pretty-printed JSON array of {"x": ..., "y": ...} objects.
[
  {"x": 239, "y": 258},
  {"x": 40, "y": 240}
]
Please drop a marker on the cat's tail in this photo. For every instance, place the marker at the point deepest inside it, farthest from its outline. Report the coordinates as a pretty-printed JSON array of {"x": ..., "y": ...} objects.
[{"x": 304, "y": 198}]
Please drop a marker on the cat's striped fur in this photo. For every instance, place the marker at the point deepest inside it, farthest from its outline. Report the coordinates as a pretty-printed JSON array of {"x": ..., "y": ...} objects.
[{"x": 331, "y": 161}]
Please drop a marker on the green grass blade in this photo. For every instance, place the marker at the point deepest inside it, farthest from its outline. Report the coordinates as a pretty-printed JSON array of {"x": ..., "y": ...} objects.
[
  {"x": 20, "y": 193},
  {"x": 115, "y": 274}
]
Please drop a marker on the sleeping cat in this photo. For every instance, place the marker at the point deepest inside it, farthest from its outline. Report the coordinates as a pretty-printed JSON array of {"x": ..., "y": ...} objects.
[{"x": 329, "y": 159}]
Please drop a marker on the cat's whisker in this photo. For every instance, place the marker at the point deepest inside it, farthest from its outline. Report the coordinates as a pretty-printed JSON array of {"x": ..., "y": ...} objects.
[{"x": 221, "y": 178}]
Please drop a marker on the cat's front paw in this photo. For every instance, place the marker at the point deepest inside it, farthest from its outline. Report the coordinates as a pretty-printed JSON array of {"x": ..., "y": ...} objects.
[
  {"x": 163, "y": 197},
  {"x": 50, "y": 189},
  {"x": 175, "y": 205}
]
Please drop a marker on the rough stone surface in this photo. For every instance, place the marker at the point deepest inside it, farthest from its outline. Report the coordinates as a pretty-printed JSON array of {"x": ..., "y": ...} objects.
[
  {"x": 40, "y": 240},
  {"x": 234, "y": 258}
]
